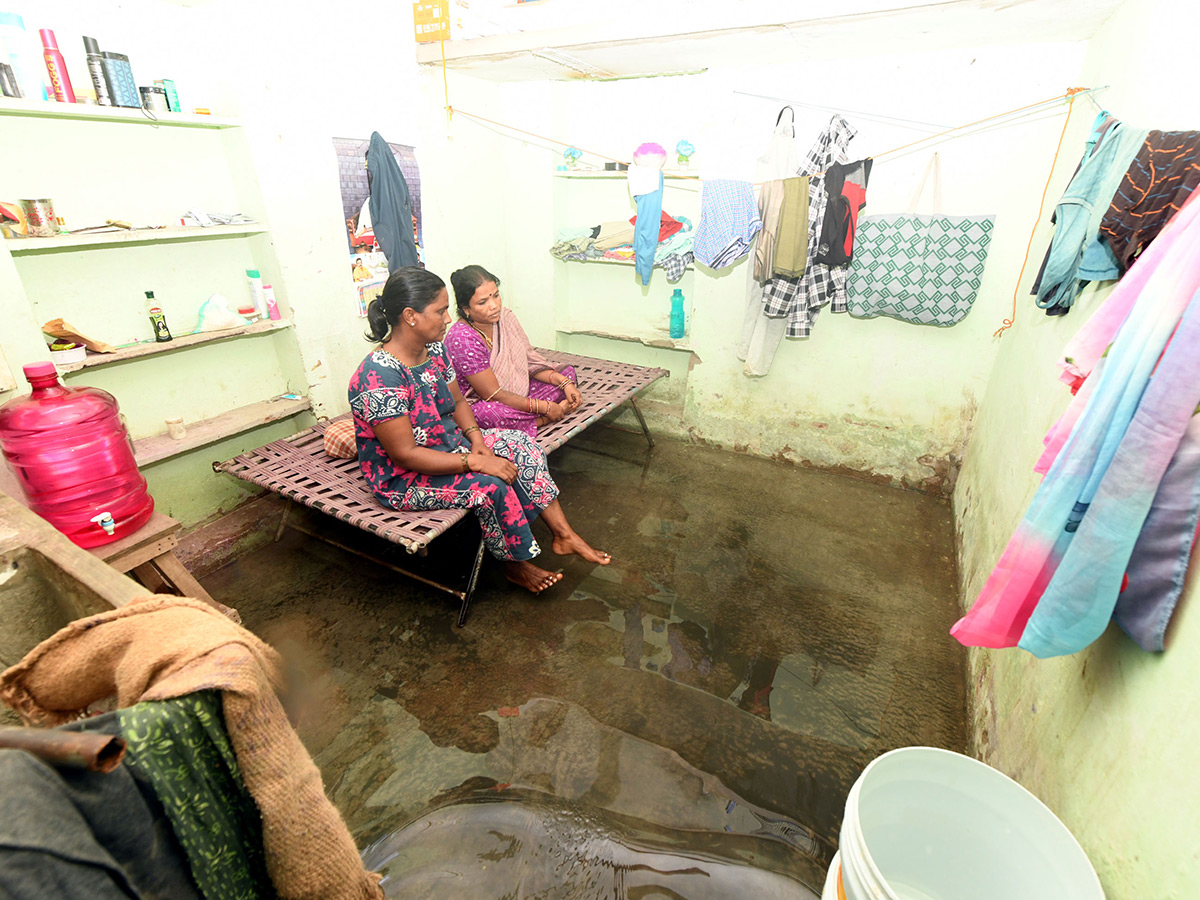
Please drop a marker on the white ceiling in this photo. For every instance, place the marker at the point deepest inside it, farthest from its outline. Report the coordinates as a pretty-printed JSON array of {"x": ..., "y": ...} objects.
[{"x": 669, "y": 36}]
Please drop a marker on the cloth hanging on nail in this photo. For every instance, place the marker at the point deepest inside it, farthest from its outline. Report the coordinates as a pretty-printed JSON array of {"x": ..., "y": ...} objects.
[
  {"x": 1162, "y": 176},
  {"x": 390, "y": 205}
]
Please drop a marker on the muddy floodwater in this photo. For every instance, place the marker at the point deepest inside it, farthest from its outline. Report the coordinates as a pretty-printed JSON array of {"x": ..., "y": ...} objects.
[{"x": 683, "y": 723}]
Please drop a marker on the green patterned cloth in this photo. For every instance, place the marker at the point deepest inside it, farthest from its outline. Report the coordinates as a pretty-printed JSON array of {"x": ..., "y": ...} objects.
[
  {"x": 181, "y": 748},
  {"x": 920, "y": 269}
]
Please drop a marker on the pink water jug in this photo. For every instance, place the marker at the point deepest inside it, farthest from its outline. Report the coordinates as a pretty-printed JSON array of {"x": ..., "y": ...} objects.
[{"x": 73, "y": 458}]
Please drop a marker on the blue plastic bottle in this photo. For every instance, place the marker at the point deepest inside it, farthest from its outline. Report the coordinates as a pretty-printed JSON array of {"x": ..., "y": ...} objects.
[{"x": 678, "y": 325}]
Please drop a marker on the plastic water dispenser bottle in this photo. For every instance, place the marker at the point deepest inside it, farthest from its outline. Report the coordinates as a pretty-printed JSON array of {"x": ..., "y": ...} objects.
[
  {"x": 73, "y": 459},
  {"x": 678, "y": 322}
]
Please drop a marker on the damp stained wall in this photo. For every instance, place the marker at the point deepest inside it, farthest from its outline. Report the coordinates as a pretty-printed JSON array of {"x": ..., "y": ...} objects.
[{"x": 1106, "y": 737}]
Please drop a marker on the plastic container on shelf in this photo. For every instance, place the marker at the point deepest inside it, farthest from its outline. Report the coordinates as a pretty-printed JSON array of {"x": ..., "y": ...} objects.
[
  {"x": 678, "y": 319},
  {"x": 74, "y": 460},
  {"x": 928, "y": 824}
]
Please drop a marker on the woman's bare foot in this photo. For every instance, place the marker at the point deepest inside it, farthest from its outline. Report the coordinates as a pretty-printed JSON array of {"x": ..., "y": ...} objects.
[
  {"x": 533, "y": 578},
  {"x": 573, "y": 543}
]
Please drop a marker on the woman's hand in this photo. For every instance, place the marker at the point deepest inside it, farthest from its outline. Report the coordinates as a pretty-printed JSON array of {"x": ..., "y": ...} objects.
[
  {"x": 490, "y": 464},
  {"x": 573, "y": 397},
  {"x": 554, "y": 411}
]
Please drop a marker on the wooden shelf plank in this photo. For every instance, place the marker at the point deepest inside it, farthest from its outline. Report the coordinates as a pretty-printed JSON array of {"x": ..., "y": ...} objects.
[
  {"x": 161, "y": 446},
  {"x": 182, "y": 342},
  {"x": 651, "y": 337},
  {"x": 605, "y": 173},
  {"x": 88, "y": 241},
  {"x": 53, "y": 110},
  {"x": 615, "y": 262}
]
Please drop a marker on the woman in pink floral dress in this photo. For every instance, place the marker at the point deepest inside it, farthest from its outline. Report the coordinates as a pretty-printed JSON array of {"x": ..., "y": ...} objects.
[{"x": 419, "y": 446}]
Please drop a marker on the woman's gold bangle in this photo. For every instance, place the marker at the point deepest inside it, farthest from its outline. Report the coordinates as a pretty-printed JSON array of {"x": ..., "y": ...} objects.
[
  {"x": 471, "y": 428},
  {"x": 491, "y": 395},
  {"x": 466, "y": 463}
]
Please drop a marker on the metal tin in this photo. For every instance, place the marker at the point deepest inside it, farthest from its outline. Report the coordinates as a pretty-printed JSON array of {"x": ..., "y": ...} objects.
[
  {"x": 154, "y": 99},
  {"x": 39, "y": 216}
]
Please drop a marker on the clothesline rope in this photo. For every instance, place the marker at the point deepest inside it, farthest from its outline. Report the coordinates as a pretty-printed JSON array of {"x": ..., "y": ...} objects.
[
  {"x": 1008, "y": 323},
  {"x": 1069, "y": 94}
]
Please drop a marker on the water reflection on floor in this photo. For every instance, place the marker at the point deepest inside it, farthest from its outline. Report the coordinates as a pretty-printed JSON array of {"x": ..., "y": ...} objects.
[{"x": 685, "y": 722}]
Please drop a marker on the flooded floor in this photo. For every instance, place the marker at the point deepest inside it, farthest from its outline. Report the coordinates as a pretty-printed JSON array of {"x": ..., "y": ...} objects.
[{"x": 685, "y": 722}]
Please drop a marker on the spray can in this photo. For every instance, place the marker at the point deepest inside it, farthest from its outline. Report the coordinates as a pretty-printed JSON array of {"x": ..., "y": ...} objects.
[
  {"x": 95, "y": 64},
  {"x": 60, "y": 81},
  {"x": 157, "y": 319}
]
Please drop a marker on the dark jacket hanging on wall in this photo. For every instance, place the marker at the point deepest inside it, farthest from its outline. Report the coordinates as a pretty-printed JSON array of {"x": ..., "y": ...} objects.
[
  {"x": 846, "y": 187},
  {"x": 391, "y": 209}
]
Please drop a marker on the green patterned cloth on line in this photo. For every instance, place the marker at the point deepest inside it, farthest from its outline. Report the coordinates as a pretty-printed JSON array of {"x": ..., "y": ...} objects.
[{"x": 182, "y": 749}]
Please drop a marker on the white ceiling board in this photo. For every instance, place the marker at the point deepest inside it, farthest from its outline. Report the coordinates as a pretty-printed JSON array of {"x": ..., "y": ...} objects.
[{"x": 599, "y": 50}]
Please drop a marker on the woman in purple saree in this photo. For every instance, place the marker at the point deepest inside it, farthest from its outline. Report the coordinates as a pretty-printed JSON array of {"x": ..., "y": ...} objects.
[{"x": 506, "y": 381}]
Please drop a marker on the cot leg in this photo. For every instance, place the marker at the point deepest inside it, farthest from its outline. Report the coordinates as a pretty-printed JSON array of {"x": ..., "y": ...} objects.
[
  {"x": 471, "y": 582},
  {"x": 283, "y": 521},
  {"x": 641, "y": 421}
]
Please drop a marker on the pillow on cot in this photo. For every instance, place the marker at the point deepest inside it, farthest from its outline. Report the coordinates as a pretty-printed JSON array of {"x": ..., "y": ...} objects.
[{"x": 339, "y": 440}]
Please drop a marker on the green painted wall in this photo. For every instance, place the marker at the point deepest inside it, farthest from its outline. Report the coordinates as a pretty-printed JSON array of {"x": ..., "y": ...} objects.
[{"x": 1107, "y": 737}]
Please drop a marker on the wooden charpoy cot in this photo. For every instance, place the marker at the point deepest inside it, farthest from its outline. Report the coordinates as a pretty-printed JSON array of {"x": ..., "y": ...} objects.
[{"x": 299, "y": 469}]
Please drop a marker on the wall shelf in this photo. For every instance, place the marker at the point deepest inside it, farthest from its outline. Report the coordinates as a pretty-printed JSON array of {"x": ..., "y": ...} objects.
[
  {"x": 650, "y": 336},
  {"x": 53, "y": 110},
  {"x": 604, "y": 173},
  {"x": 615, "y": 262},
  {"x": 150, "y": 348},
  {"x": 158, "y": 447},
  {"x": 89, "y": 241}
]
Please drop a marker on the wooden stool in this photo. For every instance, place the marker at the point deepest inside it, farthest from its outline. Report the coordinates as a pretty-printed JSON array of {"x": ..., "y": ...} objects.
[{"x": 149, "y": 554}]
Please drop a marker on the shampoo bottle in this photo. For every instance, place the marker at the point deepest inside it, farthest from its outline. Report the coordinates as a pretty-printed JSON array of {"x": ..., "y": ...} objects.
[
  {"x": 60, "y": 81},
  {"x": 272, "y": 305}
]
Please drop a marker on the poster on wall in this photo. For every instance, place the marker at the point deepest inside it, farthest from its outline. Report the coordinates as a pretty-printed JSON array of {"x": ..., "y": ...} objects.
[{"x": 368, "y": 266}]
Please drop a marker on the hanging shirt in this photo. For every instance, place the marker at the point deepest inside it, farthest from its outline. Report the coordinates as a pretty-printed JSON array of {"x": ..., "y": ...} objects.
[
  {"x": 729, "y": 221},
  {"x": 1076, "y": 247},
  {"x": 800, "y": 299},
  {"x": 1162, "y": 176},
  {"x": 846, "y": 194}
]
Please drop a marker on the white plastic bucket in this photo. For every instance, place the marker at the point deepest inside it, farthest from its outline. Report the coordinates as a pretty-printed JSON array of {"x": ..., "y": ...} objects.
[{"x": 928, "y": 824}]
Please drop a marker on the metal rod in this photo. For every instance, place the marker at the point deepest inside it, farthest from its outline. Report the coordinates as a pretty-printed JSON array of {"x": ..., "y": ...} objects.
[
  {"x": 471, "y": 582},
  {"x": 379, "y": 562},
  {"x": 641, "y": 420},
  {"x": 67, "y": 749},
  {"x": 283, "y": 519}
]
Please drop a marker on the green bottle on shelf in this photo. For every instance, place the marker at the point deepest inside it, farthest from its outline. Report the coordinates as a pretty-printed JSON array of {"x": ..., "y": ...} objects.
[{"x": 157, "y": 319}]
